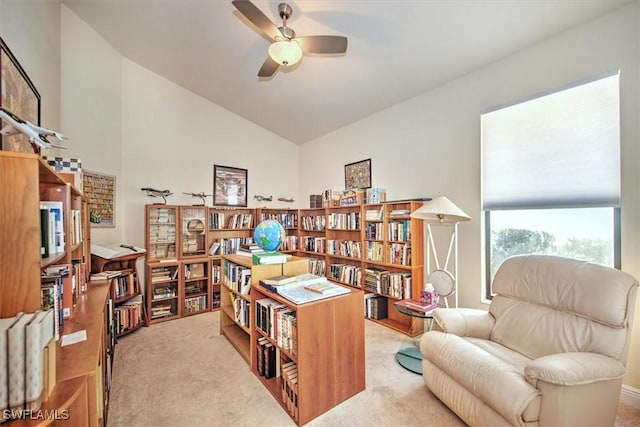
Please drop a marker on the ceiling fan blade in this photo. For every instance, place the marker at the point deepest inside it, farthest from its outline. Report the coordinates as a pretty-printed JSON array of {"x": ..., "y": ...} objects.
[
  {"x": 323, "y": 44},
  {"x": 259, "y": 19},
  {"x": 268, "y": 68}
]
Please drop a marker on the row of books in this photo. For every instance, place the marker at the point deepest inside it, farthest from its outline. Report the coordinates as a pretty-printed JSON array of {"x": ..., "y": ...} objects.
[
  {"x": 222, "y": 220},
  {"x": 241, "y": 310},
  {"x": 164, "y": 309},
  {"x": 373, "y": 230},
  {"x": 277, "y": 321},
  {"x": 314, "y": 244},
  {"x": 375, "y": 251},
  {"x": 346, "y": 273},
  {"x": 27, "y": 345},
  {"x": 162, "y": 216},
  {"x": 344, "y": 221},
  {"x": 162, "y": 250},
  {"x": 317, "y": 266},
  {"x": 313, "y": 222},
  {"x": 287, "y": 219},
  {"x": 128, "y": 315},
  {"x": 375, "y": 306},
  {"x": 228, "y": 246},
  {"x": 347, "y": 248},
  {"x": 126, "y": 285},
  {"x": 400, "y": 253},
  {"x": 163, "y": 274},
  {"x": 393, "y": 284},
  {"x": 163, "y": 292},
  {"x": 374, "y": 214},
  {"x": 237, "y": 278},
  {"x": 353, "y": 197},
  {"x": 399, "y": 231},
  {"x": 162, "y": 233},
  {"x": 52, "y": 229},
  {"x": 195, "y": 304}
]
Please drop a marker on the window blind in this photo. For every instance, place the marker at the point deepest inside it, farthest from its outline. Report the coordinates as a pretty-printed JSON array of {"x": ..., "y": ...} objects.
[{"x": 559, "y": 150}]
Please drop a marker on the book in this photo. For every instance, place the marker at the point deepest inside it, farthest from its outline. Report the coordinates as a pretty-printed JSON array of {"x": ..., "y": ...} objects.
[
  {"x": 114, "y": 250},
  {"x": 249, "y": 250},
  {"x": 278, "y": 280},
  {"x": 16, "y": 343},
  {"x": 39, "y": 333},
  {"x": 5, "y": 325},
  {"x": 56, "y": 224},
  {"x": 269, "y": 258},
  {"x": 321, "y": 288},
  {"x": 105, "y": 275},
  {"x": 416, "y": 305}
]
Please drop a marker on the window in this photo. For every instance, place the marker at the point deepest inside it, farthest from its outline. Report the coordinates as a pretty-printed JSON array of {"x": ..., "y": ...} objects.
[{"x": 551, "y": 176}]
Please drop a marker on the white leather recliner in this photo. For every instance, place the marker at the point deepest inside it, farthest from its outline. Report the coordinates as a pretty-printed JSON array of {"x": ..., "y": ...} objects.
[{"x": 551, "y": 350}]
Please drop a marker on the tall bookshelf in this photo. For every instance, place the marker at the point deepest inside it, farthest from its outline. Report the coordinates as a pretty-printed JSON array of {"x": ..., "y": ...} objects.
[
  {"x": 80, "y": 369},
  {"x": 361, "y": 245}
]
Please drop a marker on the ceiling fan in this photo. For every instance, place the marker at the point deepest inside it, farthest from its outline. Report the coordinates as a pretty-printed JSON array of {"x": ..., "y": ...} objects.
[{"x": 286, "y": 49}]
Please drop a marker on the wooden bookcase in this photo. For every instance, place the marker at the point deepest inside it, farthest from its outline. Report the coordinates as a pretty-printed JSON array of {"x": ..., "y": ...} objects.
[
  {"x": 235, "y": 307},
  {"x": 179, "y": 268},
  {"x": 328, "y": 353},
  {"x": 82, "y": 369},
  {"x": 129, "y": 309}
]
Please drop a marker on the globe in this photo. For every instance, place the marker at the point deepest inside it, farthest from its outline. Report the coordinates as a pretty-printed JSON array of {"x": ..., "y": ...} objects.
[{"x": 269, "y": 235}]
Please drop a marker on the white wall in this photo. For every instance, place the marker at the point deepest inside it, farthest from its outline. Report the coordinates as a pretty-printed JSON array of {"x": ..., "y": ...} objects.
[
  {"x": 91, "y": 107},
  {"x": 37, "y": 51},
  {"x": 172, "y": 138},
  {"x": 430, "y": 145}
]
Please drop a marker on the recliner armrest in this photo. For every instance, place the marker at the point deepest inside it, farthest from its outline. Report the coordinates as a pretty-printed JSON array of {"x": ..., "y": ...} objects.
[
  {"x": 575, "y": 368},
  {"x": 465, "y": 322}
]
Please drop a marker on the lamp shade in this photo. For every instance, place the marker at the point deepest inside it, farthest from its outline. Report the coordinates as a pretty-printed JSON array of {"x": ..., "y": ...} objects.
[
  {"x": 440, "y": 210},
  {"x": 285, "y": 52}
]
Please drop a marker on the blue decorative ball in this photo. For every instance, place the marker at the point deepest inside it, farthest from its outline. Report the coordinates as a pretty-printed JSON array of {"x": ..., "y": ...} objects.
[{"x": 269, "y": 235}]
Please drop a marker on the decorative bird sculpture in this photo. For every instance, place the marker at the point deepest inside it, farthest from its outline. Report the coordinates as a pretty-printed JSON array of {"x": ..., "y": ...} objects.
[
  {"x": 152, "y": 192},
  {"x": 36, "y": 135}
]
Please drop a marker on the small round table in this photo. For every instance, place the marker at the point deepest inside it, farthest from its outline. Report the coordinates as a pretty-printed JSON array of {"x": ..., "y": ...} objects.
[{"x": 410, "y": 357}]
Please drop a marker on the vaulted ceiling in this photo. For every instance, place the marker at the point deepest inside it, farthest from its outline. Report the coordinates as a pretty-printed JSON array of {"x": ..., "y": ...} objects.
[{"x": 396, "y": 50}]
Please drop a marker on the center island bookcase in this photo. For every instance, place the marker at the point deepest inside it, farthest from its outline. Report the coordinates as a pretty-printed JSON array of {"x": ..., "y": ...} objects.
[{"x": 329, "y": 339}]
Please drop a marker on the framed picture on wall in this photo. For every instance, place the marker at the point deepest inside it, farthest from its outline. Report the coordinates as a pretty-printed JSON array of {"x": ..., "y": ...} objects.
[
  {"x": 357, "y": 175},
  {"x": 229, "y": 186},
  {"x": 19, "y": 96},
  {"x": 100, "y": 191}
]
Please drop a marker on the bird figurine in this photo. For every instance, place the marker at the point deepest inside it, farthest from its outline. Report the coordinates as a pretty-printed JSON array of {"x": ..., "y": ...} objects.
[
  {"x": 152, "y": 192},
  {"x": 201, "y": 196},
  {"x": 36, "y": 135}
]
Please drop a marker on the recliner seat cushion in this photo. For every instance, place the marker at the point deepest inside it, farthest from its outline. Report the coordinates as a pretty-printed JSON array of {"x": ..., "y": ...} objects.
[{"x": 493, "y": 374}]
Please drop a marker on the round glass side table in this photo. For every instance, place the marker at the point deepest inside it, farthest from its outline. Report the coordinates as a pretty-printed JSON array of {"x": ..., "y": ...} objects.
[{"x": 409, "y": 357}]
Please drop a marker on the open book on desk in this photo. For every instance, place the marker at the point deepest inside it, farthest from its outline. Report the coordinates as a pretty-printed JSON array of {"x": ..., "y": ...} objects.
[
  {"x": 114, "y": 250},
  {"x": 309, "y": 287}
]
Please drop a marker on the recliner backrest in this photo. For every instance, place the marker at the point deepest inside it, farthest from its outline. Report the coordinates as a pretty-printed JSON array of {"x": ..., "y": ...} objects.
[{"x": 548, "y": 304}]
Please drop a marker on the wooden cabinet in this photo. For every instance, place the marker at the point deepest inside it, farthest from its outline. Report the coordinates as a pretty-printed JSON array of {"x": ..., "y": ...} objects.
[
  {"x": 195, "y": 286},
  {"x": 235, "y": 305},
  {"x": 229, "y": 228},
  {"x": 163, "y": 291},
  {"x": 160, "y": 232},
  {"x": 193, "y": 229},
  {"x": 324, "y": 366}
]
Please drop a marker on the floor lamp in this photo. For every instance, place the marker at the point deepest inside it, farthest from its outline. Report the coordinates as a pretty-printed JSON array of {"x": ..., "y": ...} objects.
[{"x": 436, "y": 212}]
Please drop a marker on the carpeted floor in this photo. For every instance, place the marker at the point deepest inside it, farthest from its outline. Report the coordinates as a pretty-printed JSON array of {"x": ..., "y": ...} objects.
[{"x": 183, "y": 372}]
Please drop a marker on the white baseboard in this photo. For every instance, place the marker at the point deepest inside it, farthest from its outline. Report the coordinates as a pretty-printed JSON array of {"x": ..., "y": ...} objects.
[{"x": 630, "y": 396}]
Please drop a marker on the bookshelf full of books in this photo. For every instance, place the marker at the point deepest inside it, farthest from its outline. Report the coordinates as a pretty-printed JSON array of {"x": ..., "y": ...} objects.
[
  {"x": 308, "y": 369},
  {"x": 238, "y": 274},
  {"x": 312, "y": 229},
  {"x": 344, "y": 244},
  {"x": 47, "y": 283},
  {"x": 195, "y": 286},
  {"x": 228, "y": 229},
  {"x": 163, "y": 291},
  {"x": 160, "y": 232}
]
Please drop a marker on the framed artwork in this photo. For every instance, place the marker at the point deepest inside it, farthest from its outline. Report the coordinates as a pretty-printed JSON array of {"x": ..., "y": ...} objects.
[
  {"x": 229, "y": 186},
  {"x": 18, "y": 95},
  {"x": 357, "y": 175},
  {"x": 100, "y": 191}
]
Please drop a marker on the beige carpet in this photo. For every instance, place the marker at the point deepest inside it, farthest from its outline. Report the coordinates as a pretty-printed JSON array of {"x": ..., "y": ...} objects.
[{"x": 183, "y": 372}]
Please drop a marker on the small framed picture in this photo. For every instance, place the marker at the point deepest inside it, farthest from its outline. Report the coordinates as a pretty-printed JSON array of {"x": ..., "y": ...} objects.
[
  {"x": 229, "y": 186},
  {"x": 357, "y": 175}
]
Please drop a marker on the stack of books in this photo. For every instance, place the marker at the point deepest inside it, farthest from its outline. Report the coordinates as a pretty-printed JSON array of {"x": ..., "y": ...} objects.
[
  {"x": 269, "y": 258},
  {"x": 249, "y": 250}
]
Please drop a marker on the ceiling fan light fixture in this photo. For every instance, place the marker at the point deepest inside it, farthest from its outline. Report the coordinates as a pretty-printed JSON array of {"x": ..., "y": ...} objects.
[{"x": 285, "y": 52}]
